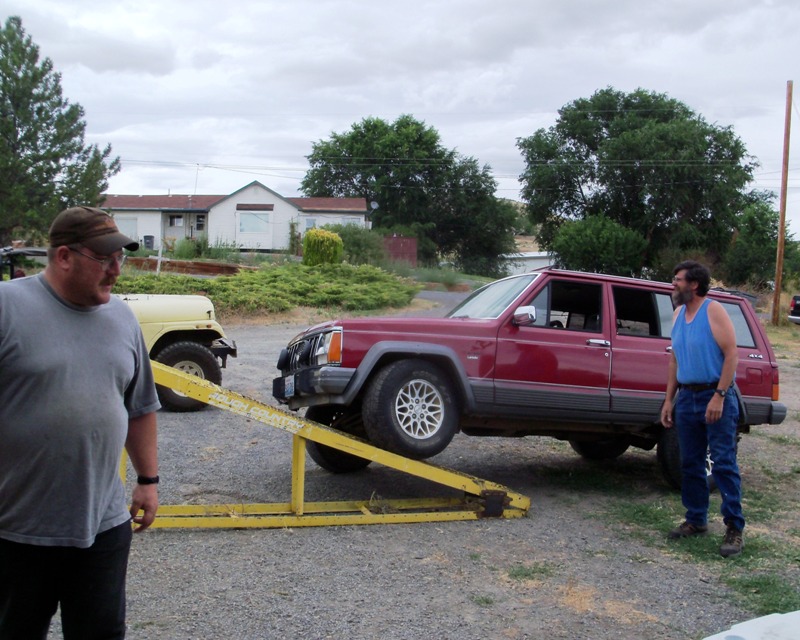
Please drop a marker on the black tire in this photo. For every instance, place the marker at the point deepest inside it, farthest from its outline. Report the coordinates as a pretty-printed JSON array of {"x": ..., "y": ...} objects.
[
  {"x": 668, "y": 453},
  {"x": 189, "y": 357},
  {"x": 669, "y": 459},
  {"x": 410, "y": 409},
  {"x": 328, "y": 458},
  {"x": 602, "y": 449}
]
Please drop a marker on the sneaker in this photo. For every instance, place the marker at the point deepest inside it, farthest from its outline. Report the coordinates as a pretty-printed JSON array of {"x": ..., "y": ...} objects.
[
  {"x": 687, "y": 530},
  {"x": 733, "y": 543}
]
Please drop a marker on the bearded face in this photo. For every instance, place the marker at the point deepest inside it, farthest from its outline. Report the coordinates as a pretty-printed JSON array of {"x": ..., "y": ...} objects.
[{"x": 682, "y": 296}]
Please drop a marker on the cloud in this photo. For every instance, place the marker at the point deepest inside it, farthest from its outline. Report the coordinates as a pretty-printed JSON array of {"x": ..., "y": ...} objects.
[{"x": 243, "y": 90}]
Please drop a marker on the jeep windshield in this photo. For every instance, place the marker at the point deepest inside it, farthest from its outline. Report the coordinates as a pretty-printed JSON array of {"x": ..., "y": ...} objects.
[{"x": 490, "y": 301}]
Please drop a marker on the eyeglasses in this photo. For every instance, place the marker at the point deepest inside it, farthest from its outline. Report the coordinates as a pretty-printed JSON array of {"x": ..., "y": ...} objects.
[
  {"x": 676, "y": 279},
  {"x": 106, "y": 262}
]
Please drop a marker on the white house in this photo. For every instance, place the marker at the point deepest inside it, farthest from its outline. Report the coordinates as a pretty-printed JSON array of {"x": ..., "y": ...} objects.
[
  {"x": 254, "y": 217},
  {"x": 527, "y": 261}
]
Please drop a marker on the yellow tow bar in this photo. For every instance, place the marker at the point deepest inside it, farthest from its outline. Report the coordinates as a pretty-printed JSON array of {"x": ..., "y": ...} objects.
[{"x": 480, "y": 499}]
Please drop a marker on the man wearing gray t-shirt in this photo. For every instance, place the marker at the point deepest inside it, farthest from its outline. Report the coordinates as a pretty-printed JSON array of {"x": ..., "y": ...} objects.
[{"x": 75, "y": 388}]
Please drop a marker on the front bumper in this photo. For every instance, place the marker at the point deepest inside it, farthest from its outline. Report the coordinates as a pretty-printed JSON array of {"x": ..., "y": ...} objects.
[
  {"x": 222, "y": 348},
  {"x": 312, "y": 386}
]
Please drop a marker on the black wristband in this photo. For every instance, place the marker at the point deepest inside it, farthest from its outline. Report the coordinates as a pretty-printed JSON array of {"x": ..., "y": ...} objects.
[{"x": 146, "y": 480}]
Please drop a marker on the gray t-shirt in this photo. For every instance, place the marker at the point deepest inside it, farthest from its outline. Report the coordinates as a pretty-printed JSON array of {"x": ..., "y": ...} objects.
[{"x": 70, "y": 379}]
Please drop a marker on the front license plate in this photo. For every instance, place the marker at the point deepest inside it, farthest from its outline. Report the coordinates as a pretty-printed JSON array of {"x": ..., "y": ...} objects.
[{"x": 288, "y": 386}]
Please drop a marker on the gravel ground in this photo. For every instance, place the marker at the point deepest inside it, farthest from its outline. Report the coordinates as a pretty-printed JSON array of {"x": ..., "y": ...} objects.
[{"x": 591, "y": 579}]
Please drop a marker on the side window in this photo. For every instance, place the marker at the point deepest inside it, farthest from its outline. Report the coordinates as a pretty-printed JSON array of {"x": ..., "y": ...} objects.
[
  {"x": 642, "y": 313},
  {"x": 542, "y": 304},
  {"x": 744, "y": 337},
  {"x": 575, "y": 306}
]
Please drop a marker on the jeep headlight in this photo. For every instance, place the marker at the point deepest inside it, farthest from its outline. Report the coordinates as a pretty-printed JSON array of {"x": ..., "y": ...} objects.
[{"x": 328, "y": 349}]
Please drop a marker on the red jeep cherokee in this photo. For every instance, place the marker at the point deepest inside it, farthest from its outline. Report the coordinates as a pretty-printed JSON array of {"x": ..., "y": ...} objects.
[{"x": 576, "y": 356}]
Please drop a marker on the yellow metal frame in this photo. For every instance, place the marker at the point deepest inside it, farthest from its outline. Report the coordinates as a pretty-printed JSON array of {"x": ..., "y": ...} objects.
[{"x": 481, "y": 498}]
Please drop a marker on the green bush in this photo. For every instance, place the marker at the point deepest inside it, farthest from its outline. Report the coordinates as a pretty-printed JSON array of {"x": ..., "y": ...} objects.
[
  {"x": 361, "y": 246},
  {"x": 321, "y": 247},
  {"x": 186, "y": 249},
  {"x": 277, "y": 288}
]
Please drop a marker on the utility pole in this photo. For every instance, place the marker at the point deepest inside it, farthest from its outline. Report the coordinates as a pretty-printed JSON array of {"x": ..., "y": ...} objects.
[{"x": 776, "y": 300}]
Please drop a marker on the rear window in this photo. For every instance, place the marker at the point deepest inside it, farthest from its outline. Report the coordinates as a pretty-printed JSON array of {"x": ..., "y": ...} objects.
[
  {"x": 649, "y": 314},
  {"x": 744, "y": 337}
]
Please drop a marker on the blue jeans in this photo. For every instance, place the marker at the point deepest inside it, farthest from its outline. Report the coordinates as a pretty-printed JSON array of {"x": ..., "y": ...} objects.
[
  {"x": 88, "y": 583},
  {"x": 719, "y": 439}
]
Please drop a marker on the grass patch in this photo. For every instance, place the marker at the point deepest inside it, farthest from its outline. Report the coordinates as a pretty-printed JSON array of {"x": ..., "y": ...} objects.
[
  {"x": 763, "y": 506},
  {"x": 787, "y": 441},
  {"x": 483, "y": 601},
  {"x": 535, "y": 571},
  {"x": 607, "y": 478},
  {"x": 763, "y": 579},
  {"x": 765, "y": 593},
  {"x": 784, "y": 338},
  {"x": 655, "y": 518}
]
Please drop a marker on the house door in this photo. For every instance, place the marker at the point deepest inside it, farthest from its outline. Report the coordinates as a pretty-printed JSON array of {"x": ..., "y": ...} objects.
[{"x": 197, "y": 225}]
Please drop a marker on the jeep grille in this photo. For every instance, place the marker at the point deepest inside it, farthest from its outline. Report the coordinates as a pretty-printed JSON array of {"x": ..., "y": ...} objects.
[{"x": 311, "y": 351}]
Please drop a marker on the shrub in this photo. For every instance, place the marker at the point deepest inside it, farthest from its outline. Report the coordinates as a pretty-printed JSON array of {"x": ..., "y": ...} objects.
[
  {"x": 361, "y": 246},
  {"x": 281, "y": 287},
  {"x": 322, "y": 247},
  {"x": 186, "y": 249}
]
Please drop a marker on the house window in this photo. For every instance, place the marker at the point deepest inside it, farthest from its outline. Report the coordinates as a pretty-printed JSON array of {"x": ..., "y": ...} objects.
[
  {"x": 252, "y": 222},
  {"x": 311, "y": 223},
  {"x": 176, "y": 221},
  {"x": 200, "y": 222}
]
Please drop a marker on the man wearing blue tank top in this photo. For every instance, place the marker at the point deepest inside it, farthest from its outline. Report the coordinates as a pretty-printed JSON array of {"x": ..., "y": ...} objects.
[{"x": 705, "y": 410}]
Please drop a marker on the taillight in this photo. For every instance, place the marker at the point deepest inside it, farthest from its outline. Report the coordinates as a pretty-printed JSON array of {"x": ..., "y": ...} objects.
[{"x": 775, "y": 384}]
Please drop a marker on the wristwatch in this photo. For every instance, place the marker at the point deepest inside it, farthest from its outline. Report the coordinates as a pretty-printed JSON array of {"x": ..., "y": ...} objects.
[
  {"x": 146, "y": 480},
  {"x": 722, "y": 392}
]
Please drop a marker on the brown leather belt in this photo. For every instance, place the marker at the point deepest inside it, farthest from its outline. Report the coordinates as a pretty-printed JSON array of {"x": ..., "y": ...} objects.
[{"x": 699, "y": 387}]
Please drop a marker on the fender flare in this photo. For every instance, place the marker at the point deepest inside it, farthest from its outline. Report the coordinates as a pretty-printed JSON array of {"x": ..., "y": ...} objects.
[{"x": 444, "y": 356}]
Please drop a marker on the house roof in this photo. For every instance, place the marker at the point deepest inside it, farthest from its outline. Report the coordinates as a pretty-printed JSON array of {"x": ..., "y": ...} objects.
[
  {"x": 350, "y": 205},
  {"x": 178, "y": 202},
  {"x": 205, "y": 202}
]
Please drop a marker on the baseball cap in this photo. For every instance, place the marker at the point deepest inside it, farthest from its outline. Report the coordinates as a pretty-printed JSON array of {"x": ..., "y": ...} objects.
[{"x": 91, "y": 227}]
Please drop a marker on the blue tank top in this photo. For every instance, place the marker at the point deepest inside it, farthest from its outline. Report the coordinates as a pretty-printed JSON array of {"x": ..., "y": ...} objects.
[{"x": 699, "y": 357}]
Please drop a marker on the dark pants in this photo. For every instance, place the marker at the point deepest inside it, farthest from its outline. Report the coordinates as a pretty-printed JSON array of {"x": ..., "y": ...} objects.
[
  {"x": 89, "y": 584},
  {"x": 719, "y": 439}
]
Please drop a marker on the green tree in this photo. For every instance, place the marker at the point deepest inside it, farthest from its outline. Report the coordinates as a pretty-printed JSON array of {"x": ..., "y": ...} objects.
[
  {"x": 750, "y": 260},
  {"x": 45, "y": 166},
  {"x": 416, "y": 182},
  {"x": 601, "y": 245},
  {"x": 643, "y": 160}
]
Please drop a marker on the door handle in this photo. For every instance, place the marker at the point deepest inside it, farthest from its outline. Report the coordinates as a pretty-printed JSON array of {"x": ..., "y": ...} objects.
[{"x": 599, "y": 343}]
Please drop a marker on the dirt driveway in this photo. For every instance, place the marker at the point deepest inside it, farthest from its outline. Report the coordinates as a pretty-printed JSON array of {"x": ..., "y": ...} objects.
[{"x": 580, "y": 566}]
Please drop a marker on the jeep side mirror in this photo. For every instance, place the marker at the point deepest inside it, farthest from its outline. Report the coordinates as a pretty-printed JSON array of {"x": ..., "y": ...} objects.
[{"x": 524, "y": 316}]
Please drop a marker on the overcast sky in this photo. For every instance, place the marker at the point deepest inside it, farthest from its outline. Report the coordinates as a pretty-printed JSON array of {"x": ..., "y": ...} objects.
[{"x": 204, "y": 96}]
